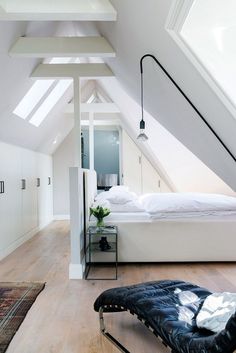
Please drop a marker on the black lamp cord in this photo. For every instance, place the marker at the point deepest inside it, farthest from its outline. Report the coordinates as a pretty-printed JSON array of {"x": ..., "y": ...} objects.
[{"x": 183, "y": 94}]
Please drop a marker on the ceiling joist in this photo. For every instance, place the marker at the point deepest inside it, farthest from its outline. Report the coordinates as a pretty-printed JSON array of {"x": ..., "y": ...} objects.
[
  {"x": 57, "y": 10},
  {"x": 60, "y": 71},
  {"x": 28, "y": 47}
]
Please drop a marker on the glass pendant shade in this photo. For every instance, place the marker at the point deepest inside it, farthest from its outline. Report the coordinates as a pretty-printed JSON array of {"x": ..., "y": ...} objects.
[{"x": 142, "y": 136}]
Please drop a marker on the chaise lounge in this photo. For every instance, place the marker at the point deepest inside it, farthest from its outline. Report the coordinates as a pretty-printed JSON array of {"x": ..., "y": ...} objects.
[{"x": 168, "y": 309}]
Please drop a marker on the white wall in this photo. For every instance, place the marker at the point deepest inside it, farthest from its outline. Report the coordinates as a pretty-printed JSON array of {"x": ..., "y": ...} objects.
[
  {"x": 63, "y": 159},
  {"x": 138, "y": 172},
  {"x": 23, "y": 212}
]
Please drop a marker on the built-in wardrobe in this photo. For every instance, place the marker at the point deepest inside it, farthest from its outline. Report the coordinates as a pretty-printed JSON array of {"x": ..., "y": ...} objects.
[
  {"x": 25, "y": 195},
  {"x": 137, "y": 171}
]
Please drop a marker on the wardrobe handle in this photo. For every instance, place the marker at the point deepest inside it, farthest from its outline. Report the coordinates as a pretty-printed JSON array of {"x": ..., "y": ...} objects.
[
  {"x": 23, "y": 184},
  {"x": 2, "y": 187},
  {"x": 38, "y": 182},
  {"x": 49, "y": 180}
]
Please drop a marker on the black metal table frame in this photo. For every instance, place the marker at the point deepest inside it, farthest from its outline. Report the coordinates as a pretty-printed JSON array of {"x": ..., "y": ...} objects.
[{"x": 89, "y": 264}]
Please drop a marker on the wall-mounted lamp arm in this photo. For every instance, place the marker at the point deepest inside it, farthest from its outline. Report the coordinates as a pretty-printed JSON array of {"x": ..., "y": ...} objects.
[{"x": 185, "y": 96}]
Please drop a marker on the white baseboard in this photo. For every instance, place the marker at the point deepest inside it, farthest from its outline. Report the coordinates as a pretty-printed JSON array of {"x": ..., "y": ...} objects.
[
  {"x": 76, "y": 271},
  {"x": 46, "y": 223},
  {"x": 61, "y": 217},
  {"x": 18, "y": 242}
]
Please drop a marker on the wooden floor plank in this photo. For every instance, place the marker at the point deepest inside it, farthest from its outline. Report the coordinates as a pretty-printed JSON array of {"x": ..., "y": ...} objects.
[{"x": 62, "y": 319}]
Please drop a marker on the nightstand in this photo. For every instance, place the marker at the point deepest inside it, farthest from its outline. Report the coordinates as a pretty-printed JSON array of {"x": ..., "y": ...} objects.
[{"x": 102, "y": 252}]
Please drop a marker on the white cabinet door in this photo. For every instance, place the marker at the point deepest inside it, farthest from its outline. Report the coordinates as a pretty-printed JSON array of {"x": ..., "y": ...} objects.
[
  {"x": 138, "y": 172},
  {"x": 150, "y": 178},
  {"x": 45, "y": 200},
  {"x": 131, "y": 164},
  {"x": 10, "y": 200},
  {"x": 29, "y": 194}
]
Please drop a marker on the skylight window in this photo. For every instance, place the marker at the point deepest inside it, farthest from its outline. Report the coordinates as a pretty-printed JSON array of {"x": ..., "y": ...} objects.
[
  {"x": 50, "y": 102},
  {"x": 38, "y": 91},
  {"x": 32, "y": 98},
  {"x": 212, "y": 40}
]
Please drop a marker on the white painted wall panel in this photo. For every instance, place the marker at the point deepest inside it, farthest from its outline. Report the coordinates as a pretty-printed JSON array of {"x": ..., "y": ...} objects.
[
  {"x": 29, "y": 195},
  {"x": 151, "y": 181},
  {"x": 138, "y": 172},
  {"x": 21, "y": 214},
  {"x": 10, "y": 201},
  {"x": 131, "y": 158},
  {"x": 45, "y": 190}
]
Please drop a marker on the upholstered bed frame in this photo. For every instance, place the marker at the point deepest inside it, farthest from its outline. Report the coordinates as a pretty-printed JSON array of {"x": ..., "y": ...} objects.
[{"x": 170, "y": 240}]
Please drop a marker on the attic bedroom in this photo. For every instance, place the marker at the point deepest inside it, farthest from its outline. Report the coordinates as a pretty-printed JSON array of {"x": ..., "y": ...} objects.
[{"x": 117, "y": 176}]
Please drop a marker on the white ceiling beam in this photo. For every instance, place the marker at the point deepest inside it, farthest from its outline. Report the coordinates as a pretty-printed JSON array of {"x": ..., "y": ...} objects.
[
  {"x": 60, "y": 71},
  {"x": 57, "y": 10},
  {"x": 100, "y": 118},
  {"x": 28, "y": 47},
  {"x": 94, "y": 108},
  {"x": 101, "y": 122}
]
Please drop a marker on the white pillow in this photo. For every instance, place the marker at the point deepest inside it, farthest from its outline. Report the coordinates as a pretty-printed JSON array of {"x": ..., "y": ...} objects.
[
  {"x": 102, "y": 196},
  {"x": 216, "y": 311},
  {"x": 121, "y": 197},
  {"x": 101, "y": 203},
  {"x": 119, "y": 188}
]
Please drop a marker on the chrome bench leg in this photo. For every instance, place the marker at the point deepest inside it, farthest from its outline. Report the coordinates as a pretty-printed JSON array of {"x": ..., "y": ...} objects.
[{"x": 105, "y": 333}]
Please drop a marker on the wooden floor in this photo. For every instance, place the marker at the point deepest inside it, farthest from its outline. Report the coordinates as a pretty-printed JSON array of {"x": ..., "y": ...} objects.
[{"x": 62, "y": 319}]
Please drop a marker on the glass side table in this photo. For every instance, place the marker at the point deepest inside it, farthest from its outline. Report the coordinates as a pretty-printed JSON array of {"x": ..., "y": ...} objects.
[{"x": 102, "y": 251}]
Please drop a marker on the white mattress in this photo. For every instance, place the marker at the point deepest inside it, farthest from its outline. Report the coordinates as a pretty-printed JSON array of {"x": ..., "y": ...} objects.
[
  {"x": 168, "y": 216},
  {"x": 128, "y": 217}
]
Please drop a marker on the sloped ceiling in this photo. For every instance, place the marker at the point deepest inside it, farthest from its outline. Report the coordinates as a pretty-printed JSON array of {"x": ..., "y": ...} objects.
[
  {"x": 167, "y": 113},
  {"x": 140, "y": 29},
  {"x": 15, "y": 83}
]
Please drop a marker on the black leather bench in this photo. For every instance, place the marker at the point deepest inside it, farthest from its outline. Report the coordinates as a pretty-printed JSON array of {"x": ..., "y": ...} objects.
[{"x": 160, "y": 306}]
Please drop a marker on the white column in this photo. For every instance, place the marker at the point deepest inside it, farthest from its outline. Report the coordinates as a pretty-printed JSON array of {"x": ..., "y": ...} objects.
[
  {"x": 91, "y": 140},
  {"x": 76, "y": 193},
  {"x": 77, "y": 124},
  {"x": 76, "y": 222}
]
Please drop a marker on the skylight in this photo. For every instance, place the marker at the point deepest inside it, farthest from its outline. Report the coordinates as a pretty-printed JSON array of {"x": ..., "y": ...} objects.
[
  {"x": 32, "y": 98},
  {"x": 39, "y": 89},
  {"x": 50, "y": 102},
  {"x": 212, "y": 39}
]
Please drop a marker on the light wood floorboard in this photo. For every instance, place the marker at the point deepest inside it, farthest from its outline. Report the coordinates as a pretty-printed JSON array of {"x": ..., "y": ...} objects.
[{"x": 62, "y": 319}]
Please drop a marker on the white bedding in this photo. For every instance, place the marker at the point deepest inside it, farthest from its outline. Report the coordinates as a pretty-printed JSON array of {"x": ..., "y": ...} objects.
[
  {"x": 128, "y": 217},
  {"x": 160, "y": 203},
  {"x": 147, "y": 217},
  {"x": 168, "y": 206},
  {"x": 194, "y": 215}
]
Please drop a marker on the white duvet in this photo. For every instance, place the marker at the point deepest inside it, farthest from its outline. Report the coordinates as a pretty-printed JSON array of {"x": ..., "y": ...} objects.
[
  {"x": 168, "y": 205},
  {"x": 161, "y": 203}
]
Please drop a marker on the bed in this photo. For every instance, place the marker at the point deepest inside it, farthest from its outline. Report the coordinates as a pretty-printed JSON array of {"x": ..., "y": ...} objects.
[{"x": 186, "y": 237}]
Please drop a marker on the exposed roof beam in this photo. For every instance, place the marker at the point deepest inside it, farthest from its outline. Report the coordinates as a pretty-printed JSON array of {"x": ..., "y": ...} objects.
[
  {"x": 102, "y": 122},
  {"x": 59, "y": 71},
  {"x": 57, "y": 10},
  {"x": 103, "y": 119},
  {"x": 27, "y": 47},
  {"x": 94, "y": 108}
]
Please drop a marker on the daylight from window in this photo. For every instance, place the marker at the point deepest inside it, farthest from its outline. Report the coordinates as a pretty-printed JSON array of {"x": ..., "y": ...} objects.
[{"x": 211, "y": 37}]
